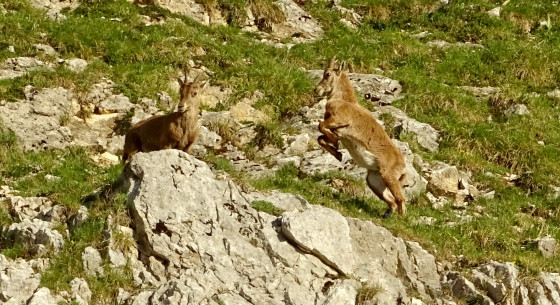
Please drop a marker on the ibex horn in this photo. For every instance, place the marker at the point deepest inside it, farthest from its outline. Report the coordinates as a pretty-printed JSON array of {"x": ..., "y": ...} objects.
[
  {"x": 332, "y": 62},
  {"x": 186, "y": 71},
  {"x": 197, "y": 77}
]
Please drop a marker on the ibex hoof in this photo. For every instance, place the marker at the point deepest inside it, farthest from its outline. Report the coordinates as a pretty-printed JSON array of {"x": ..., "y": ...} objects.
[
  {"x": 338, "y": 156},
  {"x": 387, "y": 213}
]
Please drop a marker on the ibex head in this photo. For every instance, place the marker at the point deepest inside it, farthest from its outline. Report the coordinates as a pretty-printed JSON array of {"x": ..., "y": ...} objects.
[
  {"x": 331, "y": 75},
  {"x": 189, "y": 90}
]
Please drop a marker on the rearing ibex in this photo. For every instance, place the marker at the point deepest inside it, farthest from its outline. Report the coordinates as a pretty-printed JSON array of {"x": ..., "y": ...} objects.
[
  {"x": 175, "y": 130},
  {"x": 366, "y": 141}
]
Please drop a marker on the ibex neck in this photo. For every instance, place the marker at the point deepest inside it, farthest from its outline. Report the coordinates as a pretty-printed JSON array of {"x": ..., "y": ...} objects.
[{"x": 344, "y": 90}]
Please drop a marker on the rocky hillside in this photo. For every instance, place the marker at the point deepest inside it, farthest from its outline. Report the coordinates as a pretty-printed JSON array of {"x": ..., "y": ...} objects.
[{"x": 260, "y": 214}]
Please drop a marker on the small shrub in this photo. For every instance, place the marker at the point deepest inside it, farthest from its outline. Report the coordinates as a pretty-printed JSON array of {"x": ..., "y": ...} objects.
[
  {"x": 123, "y": 125},
  {"x": 7, "y": 138},
  {"x": 64, "y": 120},
  {"x": 475, "y": 300},
  {"x": 499, "y": 104},
  {"x": 267, "y": 207},
  {"x": 366, "y": 293},
  {"x": 267, "y": 133},
  {"x": 266, "y": 12},
  {"x": 225, "y": 128},
  {"x": 221, "y": 163},
  {"x": 5, "y": 220},
  {"x": 15, "y": 250}
]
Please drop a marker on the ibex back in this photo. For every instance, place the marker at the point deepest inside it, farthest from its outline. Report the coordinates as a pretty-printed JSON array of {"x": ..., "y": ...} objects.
[
  {"x": 176, "y": 130},
  {"x": 367, "y": 142}
]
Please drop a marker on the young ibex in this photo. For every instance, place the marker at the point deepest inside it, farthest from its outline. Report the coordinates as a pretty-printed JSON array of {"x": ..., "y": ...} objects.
[
  {"x": 175, "y": 130},
  {"x": 366, "y": 141}
]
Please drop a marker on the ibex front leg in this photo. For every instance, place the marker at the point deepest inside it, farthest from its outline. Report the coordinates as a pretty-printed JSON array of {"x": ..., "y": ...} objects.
[
  {"x": 329, "y": 140},
  {"x": 332, "y": 148}
]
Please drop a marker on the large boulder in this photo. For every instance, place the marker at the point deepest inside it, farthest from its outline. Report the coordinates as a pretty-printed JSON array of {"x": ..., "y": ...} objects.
[
  {"x": 201, "y": 238},
  {"x": 333, "y": 245}
]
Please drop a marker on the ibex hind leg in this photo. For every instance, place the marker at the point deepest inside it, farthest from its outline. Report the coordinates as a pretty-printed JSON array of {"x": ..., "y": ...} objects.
[
  {"x": 380, "y": 189},
  {"x": 394, "y": 185}
]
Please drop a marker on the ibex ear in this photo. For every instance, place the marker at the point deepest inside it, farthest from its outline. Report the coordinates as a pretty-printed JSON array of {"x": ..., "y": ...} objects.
[
  {"x": 341, "y": 68},
  {"x": 181, "y": 83}
]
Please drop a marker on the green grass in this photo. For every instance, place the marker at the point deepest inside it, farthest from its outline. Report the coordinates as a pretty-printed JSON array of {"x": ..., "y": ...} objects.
[
  {"x": 75, "y": 175},
  {"x": 267, "y": 207},
  {"x": 67, "y": 264},
  {"x": 220, "y": 163},
  {"x": 14, "y": 250}
]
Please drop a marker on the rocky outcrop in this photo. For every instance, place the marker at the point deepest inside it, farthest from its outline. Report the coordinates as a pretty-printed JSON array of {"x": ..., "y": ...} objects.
[
  {"x": 241, "y": 255},
  {"x": 43, "y": 296},
  {"x": 448, "y": 180},
  {"x": 190, "y": 8},
  {"x": 45, "y": 49},
  {"x": 46, "y": 119},
  {"x": 214, "y": 247},
  {"x": 413, "y": 184},
  {"x": 76, "y": 65},
  {"x": 35, "y": 207},
  {"x": 37, "y": 236},
  {"x": 19, "y": 66},
  {"x": 80, "y": 291},
  {"x": 333, "y": 247},
  {"x": 39, "y": 119},
  {"x": 54, "y": 7},
  {"x": 399, "y": 122},
  {"x": 295, "y": 22},
  {"x": 52, "y": 118},
  {"x": 499, "y": 283},
  {"x": 18, "y": 280},
  {"x": 298, "y": 24}
]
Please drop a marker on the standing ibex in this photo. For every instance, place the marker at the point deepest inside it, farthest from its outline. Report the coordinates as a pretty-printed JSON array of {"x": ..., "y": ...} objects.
[
  {"x": 366, "y": 141},
  {"x": 175, "y": 130}
]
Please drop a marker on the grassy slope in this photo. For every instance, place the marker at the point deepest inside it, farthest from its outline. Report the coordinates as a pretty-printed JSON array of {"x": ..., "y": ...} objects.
[{"x": 141, "y": 61}]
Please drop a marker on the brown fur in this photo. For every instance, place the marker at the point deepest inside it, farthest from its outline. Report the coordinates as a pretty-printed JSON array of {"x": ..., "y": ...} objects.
[
  {"x": 177, "y": 130},
  {"x": 370, "y": 146}
]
